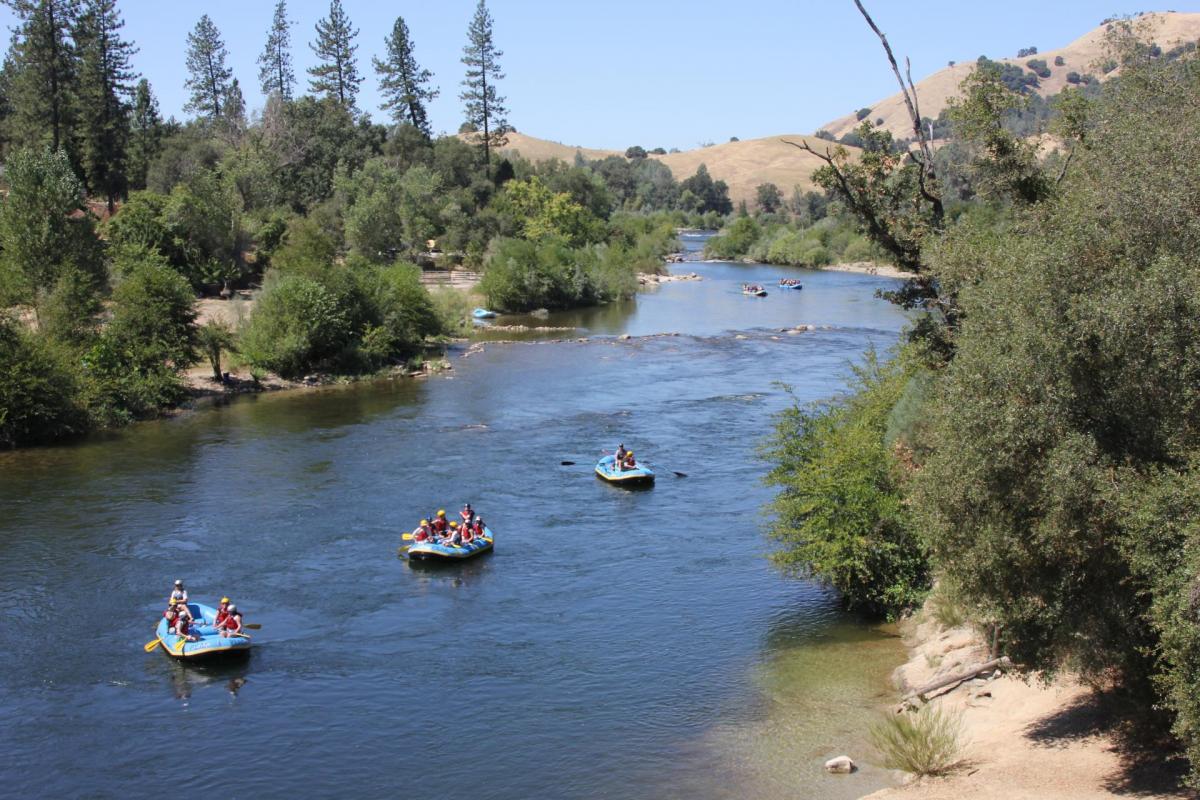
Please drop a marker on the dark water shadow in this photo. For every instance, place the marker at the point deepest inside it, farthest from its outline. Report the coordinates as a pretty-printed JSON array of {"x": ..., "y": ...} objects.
[
  {"x": 230, "y": 669},
  {"x": 1151, "y": 760}
]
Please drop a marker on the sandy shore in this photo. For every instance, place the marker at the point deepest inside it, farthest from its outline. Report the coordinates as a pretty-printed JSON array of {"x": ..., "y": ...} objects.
[
  {"x": 868, "y": 268},
  {"x": 1056, "y": 741}
]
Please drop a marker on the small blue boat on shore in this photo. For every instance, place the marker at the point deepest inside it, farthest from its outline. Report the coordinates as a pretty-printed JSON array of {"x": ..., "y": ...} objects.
[
  {"x": 210, "y": 644},
  {"x": 438, "y": 551},
  {"x": 483, "y": 313},
  {"x": 638, "y": 476}
]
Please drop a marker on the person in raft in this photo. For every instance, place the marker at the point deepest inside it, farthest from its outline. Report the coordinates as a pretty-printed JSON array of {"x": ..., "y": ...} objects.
[
  {"x": 467, "y": 513},
  {"x": 183, "y": 623},
  {"x": 172, "y": 616},
  {"x": 439, "y": 522},
  {"x": 477, "y": 528},
  {"x": 179, "y": 594},
  {"x": 232, "y": 625},
  {"x": 453, "y": 535},
  {"x": 629, "y": 462},
  {"x": 222, "y": 613},
  {"x": 422, "y": 533},
  {"x": 619, "y": 458}
]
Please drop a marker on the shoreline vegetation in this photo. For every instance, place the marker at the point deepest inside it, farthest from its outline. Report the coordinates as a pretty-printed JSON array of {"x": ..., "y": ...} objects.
[{"x": 1027, "y": 456}]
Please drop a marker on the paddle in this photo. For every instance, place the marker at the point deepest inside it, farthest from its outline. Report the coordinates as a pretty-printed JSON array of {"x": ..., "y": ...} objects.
[
  {"x": 254, "y": 626},
  {"x": 408, "y": 537},
  {"x": 179, "y": 645},
  {"x": 151, "y": 645}
]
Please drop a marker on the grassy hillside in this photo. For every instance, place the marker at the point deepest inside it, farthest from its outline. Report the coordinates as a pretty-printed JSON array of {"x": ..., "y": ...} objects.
[
  {"x": 743, "y": 165},
  {"x": 1082, "y": 56}
]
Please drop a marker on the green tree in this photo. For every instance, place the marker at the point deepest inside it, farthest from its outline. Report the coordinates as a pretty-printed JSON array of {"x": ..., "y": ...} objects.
[
  {"x": 402, "y": 82},
  {"x": 483, "y": 106},
  {"x": 145, "y": 135},
  {"x": 208, "y": 75},
  {"x": 45, "y": 230},
  {"x": 37, "y": 393},
  {"x": 213, "y": 338},
  {"x": 104, "y": 89},
  {"x": 769, "y": 198},
  {"x": 42, "y": 74},
  {"x": 275, "y": 74},
  {"x": 841, "y": 513},
  {"x": 297, "y": 325},
  {"x": 336, "y": 76}
]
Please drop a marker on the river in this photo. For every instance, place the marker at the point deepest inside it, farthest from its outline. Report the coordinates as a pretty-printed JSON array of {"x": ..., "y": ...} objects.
[{"x": 617, "y": 644}]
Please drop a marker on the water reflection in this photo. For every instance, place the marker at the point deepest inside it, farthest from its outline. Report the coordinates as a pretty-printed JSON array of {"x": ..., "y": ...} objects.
[{"x": 186, "y": 678}]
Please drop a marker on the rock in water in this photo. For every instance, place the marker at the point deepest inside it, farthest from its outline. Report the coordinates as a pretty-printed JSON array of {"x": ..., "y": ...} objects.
[{"x": 842, "y": 765}]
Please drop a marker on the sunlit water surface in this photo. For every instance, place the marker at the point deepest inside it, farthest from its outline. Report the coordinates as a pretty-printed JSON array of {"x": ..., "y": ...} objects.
[{"x": 617, "y": 644}]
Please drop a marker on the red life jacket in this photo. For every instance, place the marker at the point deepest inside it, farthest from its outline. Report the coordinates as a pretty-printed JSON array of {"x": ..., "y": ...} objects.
[
  {"x": 440, "y": 525},
  {"x": 466, "y": 534},
  {"x": 421, "y": 535},
  {"x": 234, "y": 623},
  {"x": 222, "y": 616}
]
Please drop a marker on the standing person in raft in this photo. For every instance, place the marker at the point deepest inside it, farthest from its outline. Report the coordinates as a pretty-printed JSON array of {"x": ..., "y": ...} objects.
[{"x": 179, "y": 594}]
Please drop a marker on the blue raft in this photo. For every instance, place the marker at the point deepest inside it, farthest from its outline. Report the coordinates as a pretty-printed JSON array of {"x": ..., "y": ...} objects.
[
  {"x": 639, "y": 475},
  {"x": 793, "y": 286},
  {"x": 210, "y": 644},
  {"x": 483, "y": 313},
  {"x": 436, "y": 551}
]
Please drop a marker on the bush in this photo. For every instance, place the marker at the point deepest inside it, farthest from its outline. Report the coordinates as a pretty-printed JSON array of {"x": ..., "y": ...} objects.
[
  {"x": 37, "y": 393},
  {"x": 523, "y": 275},
  {"x": 736, "y": 241},
  {"x": 1059, "y": 61},
  {"x": 925, "y": 742},
  {"x": 1039, "y": 67},
  {"x": 1074, "y": 78},
  {"x": 297, "y": 325},
  {"x": 862, "y": 114},
  {"x": 841, "y": 515}
]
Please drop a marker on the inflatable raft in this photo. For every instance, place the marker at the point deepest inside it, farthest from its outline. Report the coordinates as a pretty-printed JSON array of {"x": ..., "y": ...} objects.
[
  {"x": 639, "y": 475},
  {"x": 436, "y": 551},
  {"x": 483, "y": 313},
  {"x": 796, "y": 286},
  {"x": 210, "y": 644},
  {"x": 755, "y": 291}
]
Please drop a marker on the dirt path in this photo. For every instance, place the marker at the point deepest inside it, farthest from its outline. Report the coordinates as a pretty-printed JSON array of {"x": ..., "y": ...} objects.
[{"x": 1027, "y": 740}]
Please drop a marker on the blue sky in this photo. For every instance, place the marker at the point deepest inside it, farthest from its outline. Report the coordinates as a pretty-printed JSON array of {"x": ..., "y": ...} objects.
[{"x": 663, "y": 73}]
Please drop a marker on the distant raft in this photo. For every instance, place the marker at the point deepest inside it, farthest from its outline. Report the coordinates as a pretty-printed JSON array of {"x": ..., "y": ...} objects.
[
  {"x": 754, "y": 291},
  {"x": 793, "y": 285},
  {"x": 483, "y": 313},
  {"x": 211, "y": 644},
  {"x": 638, "y": 476},
  {"x": 439, "y": 551}
]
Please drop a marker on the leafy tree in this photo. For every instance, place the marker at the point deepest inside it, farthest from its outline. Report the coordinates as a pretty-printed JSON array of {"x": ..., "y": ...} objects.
[
  {"x": 841, "y": 514},
  {"x": 44, "y": 229},
  {"x": 538, "y": 213},
  {"x": 635, "y": 153},
  {"x": 1003, "y": 164},
  {"x": 145, "y": 135},
  {"x": 37, "y": 393},
  {"x": 336, "y": 76},
  {"x": 709, "y": 195},
  {"x": 42, "y": 74},
  {"x": 104, "y": 89},
  {"x": 403, "y": 83},
  {"x": 862, "y": 114},
  {"x": 208, "y": 76},
  {"x": 297, "y": 325},
  {"x": 483, "y": 106},
  {"x": 275, "y": 74},
  {"x": 213, "y": 338},
  {"x": 769, "y": 198}
]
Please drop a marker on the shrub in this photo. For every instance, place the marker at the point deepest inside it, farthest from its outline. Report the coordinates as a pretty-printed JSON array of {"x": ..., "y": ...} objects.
[
  {"x": 37, "y": 393},
  {"x": 1039, "y": 67},
  {"x": 1074, "y": 78},
  {"x": 735, "y": 242},
  {"x": 1059, "y": 61},
  {"x": 925, "y": 742},
  {"x": 841, "y": 515},
  {"x": 862, "y": 114},
  {"x": 297, "y": 324}
]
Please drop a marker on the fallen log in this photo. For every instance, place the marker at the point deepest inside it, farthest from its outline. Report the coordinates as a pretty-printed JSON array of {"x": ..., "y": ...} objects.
[{"x": 959, "y": 677}]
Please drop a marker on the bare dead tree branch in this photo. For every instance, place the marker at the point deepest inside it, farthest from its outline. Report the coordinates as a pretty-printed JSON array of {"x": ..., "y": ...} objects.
[{"x": 909, "y": 91}]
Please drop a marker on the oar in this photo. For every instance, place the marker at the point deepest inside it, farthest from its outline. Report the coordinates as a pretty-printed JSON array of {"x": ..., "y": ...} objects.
[
  {"x": 254, "y": 626},
  {"x": 179, "y": 645},
  {"x": 151, "y": 645},
  {"x": 408, "y": 537}
]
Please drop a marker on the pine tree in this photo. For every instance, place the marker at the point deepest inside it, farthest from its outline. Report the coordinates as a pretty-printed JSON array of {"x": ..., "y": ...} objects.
[
  {"x": 234, "y": 112},
  {"x": 146, "y": 133},
  {"x": 337, "y": 75},
  {"x": 209, "y": 77},
  {"x": 275, "y": 64},
  {"x": 43, "y": 77},
  {"x": 484, "y": 108},
  {"x": 105, "y": 87},
  {"x": 404, "y": 85}
]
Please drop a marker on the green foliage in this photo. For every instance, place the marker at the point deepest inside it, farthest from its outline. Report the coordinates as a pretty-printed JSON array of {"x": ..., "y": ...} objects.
[
  {"x": 336, "y": 76},
  {"x": 297, "y": 324},
  {"x": 275, "y": 73},
  {"x": 1039, "y": 67},
  {"x": 213, "y": 338},
  {"x": 404, "y": 83},
  {"x": 40, "y": 71},
  {"x": 37, "y": 392},
  {"x": 483, "y": 107},
  {"x": 769, "y": 198},
  {"x": 924, "y": 742},
  {"x": 537, "y": 213},
  {"x": 44, "y": 231},
  {"x": 841, "y": 515},
  {"x": 522, "y": 275},
  {"x": 862, "y": 114},
  {"x": 209, "y": 77},
  {"x": 700, "y": 193},
  {"x": 736, "y": 241}
]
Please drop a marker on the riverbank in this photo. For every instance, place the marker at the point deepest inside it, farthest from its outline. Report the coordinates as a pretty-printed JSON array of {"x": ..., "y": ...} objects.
[{"x": 1026, "y": 738}]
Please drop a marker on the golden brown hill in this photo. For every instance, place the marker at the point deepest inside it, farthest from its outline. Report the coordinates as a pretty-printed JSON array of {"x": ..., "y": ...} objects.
[
  {"x": 1167, "y": 29},
  {"x": 743, "y": 165}
]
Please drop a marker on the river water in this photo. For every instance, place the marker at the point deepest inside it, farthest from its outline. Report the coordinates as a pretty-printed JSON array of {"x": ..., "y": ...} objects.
[{"x": 617, "y": 644}]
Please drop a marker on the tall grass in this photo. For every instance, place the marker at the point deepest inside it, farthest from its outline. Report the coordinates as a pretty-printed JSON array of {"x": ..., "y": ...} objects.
[{"x": 925, "y": 742}]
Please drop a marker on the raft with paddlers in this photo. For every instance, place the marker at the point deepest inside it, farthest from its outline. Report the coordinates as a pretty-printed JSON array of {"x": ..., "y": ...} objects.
[
  {"x": 790, "y": 283},
  {"x": 209, "y": 642},
  {"x": 753, "y": 290},
  {"x": 437, "y": 550},
  {"x": 638, "y": 474}
]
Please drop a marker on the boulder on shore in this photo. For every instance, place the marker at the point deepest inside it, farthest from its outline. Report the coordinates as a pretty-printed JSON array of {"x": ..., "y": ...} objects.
[{"x": 842, "y": 765}]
